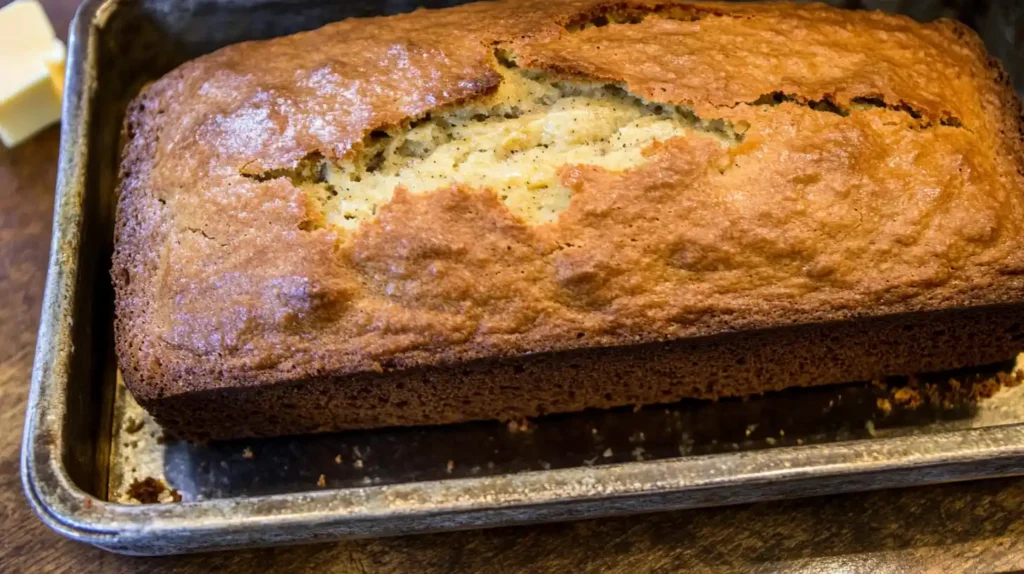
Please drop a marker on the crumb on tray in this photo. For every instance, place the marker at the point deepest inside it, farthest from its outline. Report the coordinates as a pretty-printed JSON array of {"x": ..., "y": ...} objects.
[
  {"x": 908, "y": 397},
  {"x": 152, "y": 491},
  {"x": 518, "y": 425},
  {"x": 132, "y": 425},
  {"x": 916, "y": 393}
]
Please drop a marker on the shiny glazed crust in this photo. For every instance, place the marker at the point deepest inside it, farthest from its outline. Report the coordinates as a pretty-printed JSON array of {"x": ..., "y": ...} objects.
[{"x": 876, "y": 190}]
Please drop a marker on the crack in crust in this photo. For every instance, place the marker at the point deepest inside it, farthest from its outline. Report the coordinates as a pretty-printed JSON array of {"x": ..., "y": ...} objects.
[
  {"x": 627, "y": 13},
  {"x": 515, "y": 141},
  {"x": 399, "y": 151}
]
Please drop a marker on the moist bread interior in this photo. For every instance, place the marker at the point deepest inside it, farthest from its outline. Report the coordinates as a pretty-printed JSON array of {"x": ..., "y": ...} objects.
[{"x": 514, "y": 141}]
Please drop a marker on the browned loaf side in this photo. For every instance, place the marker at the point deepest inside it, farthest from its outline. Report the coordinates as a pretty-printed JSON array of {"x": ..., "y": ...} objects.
[{"x": 564, "y": 205}]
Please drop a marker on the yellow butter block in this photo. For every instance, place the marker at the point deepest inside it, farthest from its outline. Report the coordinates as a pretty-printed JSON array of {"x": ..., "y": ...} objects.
[
  {"x": 55, "y": 62},
  {"x": 33, "y": 107},
  {"x": 31, "y": 71}
]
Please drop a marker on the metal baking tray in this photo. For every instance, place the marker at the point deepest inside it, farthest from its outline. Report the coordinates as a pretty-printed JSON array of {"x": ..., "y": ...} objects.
[{"x": 86, "y": 441}]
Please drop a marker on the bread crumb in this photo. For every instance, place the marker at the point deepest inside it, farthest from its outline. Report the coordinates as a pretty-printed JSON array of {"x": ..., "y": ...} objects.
[
  {"x": 639, "y": 453},
  {"x": 637, "y": 408},
  {"x": 870, "y": 426},
  {"x": 907, "y": 397},
  {"x": 520, "y": 425},
  {"x": 751, "y": 428},
  {"x": 884, "y": 405},
  {"x": 168, "y": 496},
  {"x": 799, "y": 441},
  {"x": 1015, "y": 379},
  {"x": 132, "y": 425},
  {"x": 987, "y": 389},
  {"x": 322, "y": 481},
  {"x": 770, "y": 440},
  {"x": 782, "y": 432},
  {"x": 357, "y": 463},
  {"x": 152, "y": 491},
  {"x": 337, "y": 459},
  {"x": 545, "y": 465},
  {"x": 607, "y": 453},
  {"x": 247, "y": 452}
]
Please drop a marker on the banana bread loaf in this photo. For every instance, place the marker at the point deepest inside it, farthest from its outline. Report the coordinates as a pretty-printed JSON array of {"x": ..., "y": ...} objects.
[{"x": 523, "y": 207}]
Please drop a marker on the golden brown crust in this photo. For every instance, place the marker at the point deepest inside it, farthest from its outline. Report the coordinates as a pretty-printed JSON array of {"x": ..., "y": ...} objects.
[{"x": 907, "y": 200}]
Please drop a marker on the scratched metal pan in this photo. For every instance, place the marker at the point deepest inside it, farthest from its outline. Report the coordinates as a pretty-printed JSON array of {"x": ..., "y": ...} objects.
[{"x": 86, "y": 442}]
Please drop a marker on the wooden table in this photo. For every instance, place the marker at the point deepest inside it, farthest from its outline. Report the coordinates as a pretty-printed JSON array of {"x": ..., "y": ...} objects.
[{"x": 968, "y": 527}]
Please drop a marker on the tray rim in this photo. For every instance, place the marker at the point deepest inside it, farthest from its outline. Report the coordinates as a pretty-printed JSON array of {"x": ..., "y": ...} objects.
[{"x": 633, "y": 487}]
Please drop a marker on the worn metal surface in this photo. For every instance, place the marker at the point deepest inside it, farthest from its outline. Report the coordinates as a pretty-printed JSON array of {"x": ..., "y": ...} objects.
[
  {"x": 86, "y": 441},
  {"x": 821, "y": 416}
]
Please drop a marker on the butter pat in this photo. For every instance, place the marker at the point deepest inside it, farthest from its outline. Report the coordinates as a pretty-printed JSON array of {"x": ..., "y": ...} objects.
[
  {"x": 31, "y": 72},
  {"x": 55, "y": 61}
]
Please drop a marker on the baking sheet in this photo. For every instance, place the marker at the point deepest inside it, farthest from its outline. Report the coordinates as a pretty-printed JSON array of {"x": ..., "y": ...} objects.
[
  {"x": 804, "y": 416},
  {"x": 87, "y": 442},
  {"x": 860, "y": 411}
]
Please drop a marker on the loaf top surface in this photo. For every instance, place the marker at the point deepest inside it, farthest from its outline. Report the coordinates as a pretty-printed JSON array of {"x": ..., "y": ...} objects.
[{"x": 415, "y": 190}]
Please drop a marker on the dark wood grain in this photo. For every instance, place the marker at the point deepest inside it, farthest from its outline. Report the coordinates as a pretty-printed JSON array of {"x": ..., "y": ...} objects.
[{"x": 976, "y": 527}]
